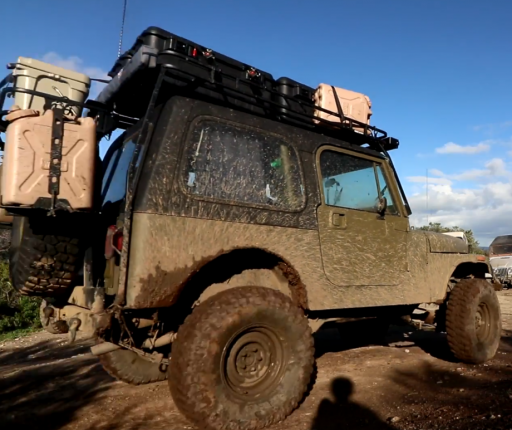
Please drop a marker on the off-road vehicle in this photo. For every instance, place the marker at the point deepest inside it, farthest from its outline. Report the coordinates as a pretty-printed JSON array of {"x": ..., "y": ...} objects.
[
  {"x": 234, "y": 216},
  {"x": 500, "y": 256}
]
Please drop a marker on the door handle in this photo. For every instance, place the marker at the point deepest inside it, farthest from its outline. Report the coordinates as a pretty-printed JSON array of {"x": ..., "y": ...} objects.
[{"x": 338, "y": 220}]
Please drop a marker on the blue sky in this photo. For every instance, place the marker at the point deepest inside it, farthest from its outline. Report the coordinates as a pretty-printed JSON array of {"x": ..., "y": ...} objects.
[{"x": 437, "y": 72}]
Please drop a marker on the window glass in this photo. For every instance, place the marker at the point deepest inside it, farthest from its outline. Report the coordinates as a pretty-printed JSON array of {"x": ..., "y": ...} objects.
[
  {"x": 241, "y": 165},
  {"x": 116, "y": 173},
  {"x": 351, "y": 182}
]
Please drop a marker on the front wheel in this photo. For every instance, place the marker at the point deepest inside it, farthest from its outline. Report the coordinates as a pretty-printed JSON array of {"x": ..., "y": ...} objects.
[
  {"x": 243, "y": 359},
  {"x": 473, "y": 321}
]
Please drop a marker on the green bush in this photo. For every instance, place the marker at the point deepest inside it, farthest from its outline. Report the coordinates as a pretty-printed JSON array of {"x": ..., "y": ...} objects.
[{"x": 17, "y": 312}]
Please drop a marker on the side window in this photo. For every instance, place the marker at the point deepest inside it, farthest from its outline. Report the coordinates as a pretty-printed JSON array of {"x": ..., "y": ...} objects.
[
  {"x": 245, "y": 166},
  {"x": 116, "y": 173},
  {"x": 351, "y": 182}
]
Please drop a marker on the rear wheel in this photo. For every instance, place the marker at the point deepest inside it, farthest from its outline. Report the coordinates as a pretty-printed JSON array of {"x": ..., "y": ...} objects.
[
  {"x": 44, "y": 256},
  {"x": 243, "y": 359},
  {"x": 473, "y": 321}
]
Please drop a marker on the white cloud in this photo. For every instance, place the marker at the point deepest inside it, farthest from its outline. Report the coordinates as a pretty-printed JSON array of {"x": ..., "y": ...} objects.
[
  {"x": 453, "y": 148},
  {"x": 492, "y": 128},
  {"x": 423, "y": 180},
  {"x": 77, "y": 64},
  {"x": 494, "y": 168},
  {"x": 436, "y": 172},
  {"x": 486, "y": 209}
]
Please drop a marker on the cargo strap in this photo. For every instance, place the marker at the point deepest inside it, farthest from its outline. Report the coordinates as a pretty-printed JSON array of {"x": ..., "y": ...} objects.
[
  {"x": 56, "y": 156},
  {"x": 338, "y": 104}
]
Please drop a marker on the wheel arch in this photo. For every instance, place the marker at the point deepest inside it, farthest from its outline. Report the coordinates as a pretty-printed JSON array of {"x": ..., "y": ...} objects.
[
  {"x": 242, "y": 267},
  {"x": 466, "y": 269},
  {"x": 470, "y": 268}
]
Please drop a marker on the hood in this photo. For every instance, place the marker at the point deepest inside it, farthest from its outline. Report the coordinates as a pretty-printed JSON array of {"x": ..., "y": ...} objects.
[
  {"x": 445, "y": 244},
  {"x": 505, "y": 261}
]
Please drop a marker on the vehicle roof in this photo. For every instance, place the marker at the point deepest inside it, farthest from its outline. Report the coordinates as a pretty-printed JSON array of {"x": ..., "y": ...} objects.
[{"x": 502, "y": 240}]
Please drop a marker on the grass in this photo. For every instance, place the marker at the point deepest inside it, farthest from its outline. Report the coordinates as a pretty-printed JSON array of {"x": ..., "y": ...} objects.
[
  {"x": 14, "y": 334},
  {"x": 25, "y": 318}
]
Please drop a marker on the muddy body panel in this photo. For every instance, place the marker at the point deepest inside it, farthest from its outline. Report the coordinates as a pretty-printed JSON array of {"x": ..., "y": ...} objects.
[
  {"x": 194, "y": 210},
  {"x": 165, "y": 261}
]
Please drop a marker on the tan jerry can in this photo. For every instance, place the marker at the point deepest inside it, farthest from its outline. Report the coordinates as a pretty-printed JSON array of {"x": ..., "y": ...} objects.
[
  {"x": 355, "y": 105},
  {"x": 27, "y": 161}
]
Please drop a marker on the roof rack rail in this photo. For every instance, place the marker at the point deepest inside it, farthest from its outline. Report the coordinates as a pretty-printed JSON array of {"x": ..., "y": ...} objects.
[
  {"x": 107, "y": 119},
  {"x": 195, "y": 69}
]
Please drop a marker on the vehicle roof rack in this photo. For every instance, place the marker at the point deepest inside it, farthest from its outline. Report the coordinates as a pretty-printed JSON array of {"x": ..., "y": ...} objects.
[
  {"x": 193, "y": 70},
  {"x": 107, "y": 118}
]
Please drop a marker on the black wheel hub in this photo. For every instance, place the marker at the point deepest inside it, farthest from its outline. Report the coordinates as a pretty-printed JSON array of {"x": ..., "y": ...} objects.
[{"x": 253, "y": 362}]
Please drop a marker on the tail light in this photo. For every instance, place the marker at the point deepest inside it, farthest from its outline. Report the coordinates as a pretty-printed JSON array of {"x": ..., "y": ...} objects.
[{"x": 113, "y": 241}]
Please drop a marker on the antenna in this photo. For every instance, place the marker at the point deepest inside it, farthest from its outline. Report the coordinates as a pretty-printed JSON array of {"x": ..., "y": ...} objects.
[
  {"x": 427, "y": 198},
  {"x": 122, "y": 28}
]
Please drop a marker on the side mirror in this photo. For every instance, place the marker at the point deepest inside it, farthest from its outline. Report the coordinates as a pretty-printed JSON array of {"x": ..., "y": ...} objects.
[{"x": 382, "y": 206}]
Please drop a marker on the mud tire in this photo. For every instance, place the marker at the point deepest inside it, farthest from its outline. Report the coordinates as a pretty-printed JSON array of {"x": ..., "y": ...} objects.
[
  {"x": 53, "y": 326},
  {"x": 43, "y": 264},
  {"x": 200, "y": 378},
  {"x": 473, "y": 303},
  {"x": 132, "y": 369}
]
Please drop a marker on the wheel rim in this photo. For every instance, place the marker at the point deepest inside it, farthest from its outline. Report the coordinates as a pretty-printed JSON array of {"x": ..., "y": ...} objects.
[
  {"x": 253, "y": 362},
  {"x": 483, "y": 321}
]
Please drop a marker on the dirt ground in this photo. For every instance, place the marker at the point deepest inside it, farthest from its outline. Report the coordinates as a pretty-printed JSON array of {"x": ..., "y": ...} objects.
[{"x": 413, "y": 383}]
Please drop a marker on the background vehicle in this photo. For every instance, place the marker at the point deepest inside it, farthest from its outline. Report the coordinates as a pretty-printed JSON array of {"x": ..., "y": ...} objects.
[
  {"x": 500, "y": 257},
  {"x": 234, "y": 216}
]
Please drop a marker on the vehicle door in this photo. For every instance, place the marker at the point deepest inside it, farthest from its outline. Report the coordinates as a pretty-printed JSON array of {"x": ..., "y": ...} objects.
[{"x": 360, "y": 246}]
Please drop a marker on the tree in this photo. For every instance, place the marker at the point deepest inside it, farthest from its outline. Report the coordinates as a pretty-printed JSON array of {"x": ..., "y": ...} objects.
[{"x": 438, "y": 228}]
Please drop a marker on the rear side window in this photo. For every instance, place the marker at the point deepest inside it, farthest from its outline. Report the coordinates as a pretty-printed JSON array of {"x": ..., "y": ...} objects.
[
  {"x": 242, "y": 165},
  {"x": 116, "y": 173}
]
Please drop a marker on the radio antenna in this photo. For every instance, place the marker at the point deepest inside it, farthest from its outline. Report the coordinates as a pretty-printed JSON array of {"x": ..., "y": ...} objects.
[
  {"x": 122, "y": 28},
  {"x": 427, "y": 198}
]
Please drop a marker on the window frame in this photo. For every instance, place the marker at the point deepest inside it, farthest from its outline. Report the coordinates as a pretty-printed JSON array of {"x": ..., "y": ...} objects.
[
  {"x": 124, "y": 138},
  {"x": 183, "y": 170},
  {"x": 378, "y": 162}
]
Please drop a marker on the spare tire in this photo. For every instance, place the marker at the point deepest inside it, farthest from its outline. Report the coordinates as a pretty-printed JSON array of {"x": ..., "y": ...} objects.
[{"x": 45, "y": 255}]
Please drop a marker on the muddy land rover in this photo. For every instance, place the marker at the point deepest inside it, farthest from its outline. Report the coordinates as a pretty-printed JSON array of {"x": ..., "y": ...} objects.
[{"x": 234, "y": 216}]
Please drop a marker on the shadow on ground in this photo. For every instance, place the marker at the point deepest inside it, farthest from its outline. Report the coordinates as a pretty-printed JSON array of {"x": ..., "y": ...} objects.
[
  {"x": 340, "y": 411},
  {"x": 355, "y": 334},
  {"x": 42, "y": 386}
]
